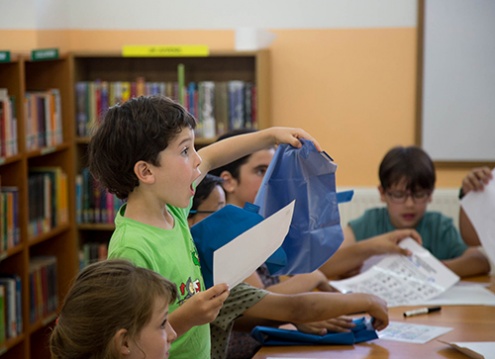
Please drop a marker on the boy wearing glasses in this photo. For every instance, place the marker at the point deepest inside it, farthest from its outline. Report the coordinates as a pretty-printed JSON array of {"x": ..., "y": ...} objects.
[{"x": 407, "y": 180}]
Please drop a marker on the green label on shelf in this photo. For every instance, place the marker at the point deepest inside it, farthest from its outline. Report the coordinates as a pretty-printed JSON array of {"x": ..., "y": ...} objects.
[
  {"x": 44, "y": 54},
  {"x": 4, "y": 56}
]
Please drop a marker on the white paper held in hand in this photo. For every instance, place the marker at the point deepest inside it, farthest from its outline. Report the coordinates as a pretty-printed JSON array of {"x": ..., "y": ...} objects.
[
  {"x": 402, "y": 280},
  {"x": 239, "y": 258},
  {"x": 479, "y": 207}
]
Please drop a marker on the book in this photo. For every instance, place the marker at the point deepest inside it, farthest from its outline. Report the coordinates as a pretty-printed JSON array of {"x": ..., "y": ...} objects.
[
  {"x": 207, "y": 108},
  {"x": 2, "y": 315},
  {"x": 42, "y": 287},
  {"x": 9, "y": 225},
  {"x": 236, "y": 104},
  {"x": 55, "y": 196},
  {"x": 81, "y": 108},
  {"x": 10, "y": 306},
  {"x": 221, "y": 107},
  {"x": 18, "y": 299}
]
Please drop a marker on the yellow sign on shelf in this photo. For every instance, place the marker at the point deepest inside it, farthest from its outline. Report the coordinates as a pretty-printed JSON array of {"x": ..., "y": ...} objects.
[{"x": 165, "y": 50}]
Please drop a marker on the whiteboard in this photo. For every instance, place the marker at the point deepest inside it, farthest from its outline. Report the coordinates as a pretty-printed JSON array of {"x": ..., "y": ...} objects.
[{"x": 458, "y": 84}]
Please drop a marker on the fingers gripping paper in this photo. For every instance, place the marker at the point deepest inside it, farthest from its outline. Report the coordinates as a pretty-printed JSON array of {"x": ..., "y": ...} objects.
[{"x": 307, "y": 176}]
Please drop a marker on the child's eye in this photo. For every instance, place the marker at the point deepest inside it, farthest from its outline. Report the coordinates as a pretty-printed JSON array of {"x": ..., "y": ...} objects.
[
  {"x": 164, "y": 323},
  {"x": 261, "y": 172},
  {"x": 185, "y": 151}
]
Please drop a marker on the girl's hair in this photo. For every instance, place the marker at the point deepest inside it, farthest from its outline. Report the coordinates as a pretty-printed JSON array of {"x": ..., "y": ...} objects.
[
  {"x": 233, "y": 167},
  {"x": 204, "y": 189},
  {"x": 106, "y": 296},
  {"x": 137, "y": 130},
  {"x": 411, "y": 164}
]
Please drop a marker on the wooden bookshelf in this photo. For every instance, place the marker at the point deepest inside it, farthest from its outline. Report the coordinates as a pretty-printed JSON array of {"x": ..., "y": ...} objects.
[
  {"x": 58, "y": 240},
  {"x": 218, "y": 67},
  {"x": 63, "y": 240}
]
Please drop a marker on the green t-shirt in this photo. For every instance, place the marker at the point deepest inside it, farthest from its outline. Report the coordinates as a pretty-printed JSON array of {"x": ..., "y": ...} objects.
[
  {"x": 437, "y": 231},
  {"x": 172, "y": 254}
]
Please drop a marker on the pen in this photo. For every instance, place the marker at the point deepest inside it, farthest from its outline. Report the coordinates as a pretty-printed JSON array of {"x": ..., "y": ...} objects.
[{"x": 412, "y": 313}]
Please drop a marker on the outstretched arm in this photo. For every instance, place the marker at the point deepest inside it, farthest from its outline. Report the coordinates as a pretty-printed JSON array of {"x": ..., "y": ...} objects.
[
  {"x": 302, "y": 283},
  {"x": 222, "y": 152},
  {"x": 318, "y": 306}
]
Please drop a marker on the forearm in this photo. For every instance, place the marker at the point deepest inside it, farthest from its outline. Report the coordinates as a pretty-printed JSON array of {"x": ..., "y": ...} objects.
[
  {"x": 471, "y": 263},
  {"x": 179, "y": 321},
  {"x": 347, "y": 259},
  {"x": 228, "y": 150},
  {"x": 468, "y": 233},
  {"x": 298, "y": 284},
  {"x": 308, "y": 307}
]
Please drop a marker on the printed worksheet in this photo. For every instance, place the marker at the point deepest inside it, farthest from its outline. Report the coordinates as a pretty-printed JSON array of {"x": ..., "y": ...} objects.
[
  {"x": 402, "y": 280},
  {"x": 412, "y": 333}
]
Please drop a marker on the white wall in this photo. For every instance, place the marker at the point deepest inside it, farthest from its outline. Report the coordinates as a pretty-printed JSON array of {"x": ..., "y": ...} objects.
[
  {"x": 206, "y": 14},
  {"x": 459, "y": 80}
]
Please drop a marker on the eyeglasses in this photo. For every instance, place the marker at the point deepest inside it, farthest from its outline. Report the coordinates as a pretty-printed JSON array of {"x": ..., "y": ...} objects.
[{"x": 400, "y": 197}]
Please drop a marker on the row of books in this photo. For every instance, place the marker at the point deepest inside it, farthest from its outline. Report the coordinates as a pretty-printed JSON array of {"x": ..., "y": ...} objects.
[
  {"x": 92, "y": 252},
  {"x": 8, "y": 125},
  {"x": 48, "y": 199},
  {"x": 93, "y": 203},
  {"x": 221, "y": 106},
  {"x": 9, "y": 218},
  {"x": 93, "y": 98},
  {"x": 217, "y": 106},
  {"x": 10, "y": 306},
  {"x": 43, "y": 290},
  {"x": 43, "y": 111}
]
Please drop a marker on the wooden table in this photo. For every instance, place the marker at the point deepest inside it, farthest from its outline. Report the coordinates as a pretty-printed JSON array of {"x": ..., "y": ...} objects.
[{"x": 470, "y": 323}]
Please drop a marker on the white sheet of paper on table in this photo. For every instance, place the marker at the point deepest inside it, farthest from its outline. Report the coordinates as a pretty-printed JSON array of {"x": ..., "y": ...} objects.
[
  {"x": 412, "y": 333},
  {"x": 476, "y": 350},
  {"x": 239, "y": 258},
  {"x": 479, "y": 206}
]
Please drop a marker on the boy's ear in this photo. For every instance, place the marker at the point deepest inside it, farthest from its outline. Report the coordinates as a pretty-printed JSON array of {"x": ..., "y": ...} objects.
[
  {"x": 382, "y": 193},
  {"x": 430, "y": 198},
  {"x": 143, "y": 172},
  {"x": 121, "y": 342},
  {"x": 229, "y": 182}
]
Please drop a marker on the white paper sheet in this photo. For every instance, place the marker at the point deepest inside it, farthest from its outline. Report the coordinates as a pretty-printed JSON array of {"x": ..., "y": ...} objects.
[
  {"x": 462, "y": 295},
  {"x": 480, "y": 208},
  {"x": 411, "y": 333},
  {"x": 240, "y": 258},
  {"x": 476, "y": 350},
  {"x": 402, "y": 280}
]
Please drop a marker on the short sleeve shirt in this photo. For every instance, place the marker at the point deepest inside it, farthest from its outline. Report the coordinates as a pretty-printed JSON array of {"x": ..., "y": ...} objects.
[
  {"x": 437, "y": 231},
  {"x": 172, "y": 254}
]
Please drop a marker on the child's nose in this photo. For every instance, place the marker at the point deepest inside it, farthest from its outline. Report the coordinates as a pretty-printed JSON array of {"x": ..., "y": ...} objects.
[
  {"x": 199, "y": 160},
  {"x": 171, "y": 334},
  {"x": 410, "y": 200}
]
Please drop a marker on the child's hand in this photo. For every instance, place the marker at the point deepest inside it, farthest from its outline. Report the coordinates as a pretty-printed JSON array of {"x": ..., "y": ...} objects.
[
  {"x": 203, "y": 307},
  {"x": 388, "y": 243},
  {"x": 476, "y": 179},
  {"x": 291, "y": 136},
  {"x": 341, "y": 325},
  {"x": 378, "y": 310}
]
